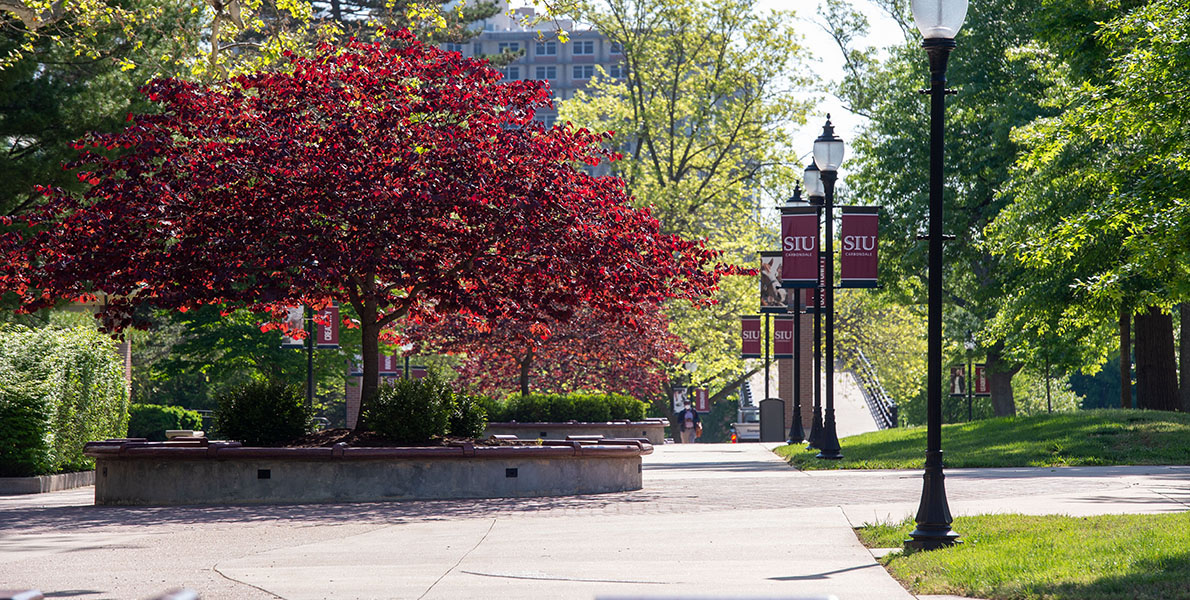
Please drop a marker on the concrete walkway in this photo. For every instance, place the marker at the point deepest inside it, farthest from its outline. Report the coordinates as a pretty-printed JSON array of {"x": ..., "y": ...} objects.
[{"x": 713, "y": 521}]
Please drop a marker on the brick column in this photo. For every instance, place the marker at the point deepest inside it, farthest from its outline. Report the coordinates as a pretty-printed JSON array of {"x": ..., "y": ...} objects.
[
  {"x": 353, "y": 388},
  {"x": 785, "y": 378}
]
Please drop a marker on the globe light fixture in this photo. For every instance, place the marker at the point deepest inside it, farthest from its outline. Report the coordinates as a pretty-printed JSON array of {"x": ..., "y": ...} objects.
[{"x": 939, "y": 19}]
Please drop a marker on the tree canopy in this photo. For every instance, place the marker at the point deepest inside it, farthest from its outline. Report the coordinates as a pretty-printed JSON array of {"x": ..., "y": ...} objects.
[{"x": 404, "y": 181}]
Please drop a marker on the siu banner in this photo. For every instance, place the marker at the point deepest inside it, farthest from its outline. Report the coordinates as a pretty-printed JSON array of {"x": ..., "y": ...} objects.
[
  {"x": 772, "y": 295},
  {"x": 858, "y": 246},
  {"x": 799, "y": 247},
  {"x": 750, "y": 337},
  {"x": 783, "y": 337}
]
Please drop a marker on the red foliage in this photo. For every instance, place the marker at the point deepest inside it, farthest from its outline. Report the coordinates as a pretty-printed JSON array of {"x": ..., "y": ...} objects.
[
  {"x": 592, "y": 350},
  {"x": 406, "y": 181}
]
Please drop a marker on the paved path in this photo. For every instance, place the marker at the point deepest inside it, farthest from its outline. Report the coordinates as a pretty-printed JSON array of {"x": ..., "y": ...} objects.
[
  {"x": 852, "y": 415},
  {"x": 713, "y": 521}
]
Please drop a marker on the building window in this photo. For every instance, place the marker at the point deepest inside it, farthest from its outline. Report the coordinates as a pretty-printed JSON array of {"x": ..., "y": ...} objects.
[
  {"x": 549, "y": 120},
  {"x": 584, "y": 48},
  {"x": 617, "y": 71},
  {"x": 477, "y": 49},
  {"x": 511, "y": 73},
  {"x": 547, "y": 48},
  {"x": 617, "y": 48},
  {"x": 583, "y": 71},
  {"x": 509, "y": 47},
  {"x": 547, "y": 72},
  {"x": 449, "y": 47}
]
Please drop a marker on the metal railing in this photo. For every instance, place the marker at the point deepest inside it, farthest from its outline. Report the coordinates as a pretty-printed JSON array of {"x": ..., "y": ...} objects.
[
  {"x": 882, "y": 407},
  {"x": 746, "y": 394}
]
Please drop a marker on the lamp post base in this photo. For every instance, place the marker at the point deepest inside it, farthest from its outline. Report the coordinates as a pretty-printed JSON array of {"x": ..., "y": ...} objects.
[{"x": 933, "y": 514}]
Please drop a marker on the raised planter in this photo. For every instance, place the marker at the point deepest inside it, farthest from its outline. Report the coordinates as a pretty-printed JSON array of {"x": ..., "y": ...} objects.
[
  {"x": 196, "y": 471},
  {"x": 45, "y": 483},
  {"x": 651, "y": 429}
]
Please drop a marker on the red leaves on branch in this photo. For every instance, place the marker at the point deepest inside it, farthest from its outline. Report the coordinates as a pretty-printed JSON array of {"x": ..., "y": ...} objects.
[{"x": 397, "y": 178}]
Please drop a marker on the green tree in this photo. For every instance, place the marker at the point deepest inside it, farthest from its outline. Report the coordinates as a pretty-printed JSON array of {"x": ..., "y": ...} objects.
[
  {"x": 700, "y": 118},
  {"x": 1100, "y": 200}
]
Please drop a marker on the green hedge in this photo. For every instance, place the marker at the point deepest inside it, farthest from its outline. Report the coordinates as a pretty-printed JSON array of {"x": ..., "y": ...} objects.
[
  {"x": 583, "y": 407},
  {"x": 150, "y": 421},
  {"x": 59, "y": 389},
  {"x": 416, "y": 411}
]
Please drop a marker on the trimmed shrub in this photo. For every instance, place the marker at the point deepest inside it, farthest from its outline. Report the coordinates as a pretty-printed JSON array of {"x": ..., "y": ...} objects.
[
  {"x": 263, "y": 414},
  {"x": 494, "y": 410},
  {"x": 468, "y": 418},
  {"x": 59, "y": 389},
  {"x": 150, "y": 421},
  {"x": 559, "y": 408},
  {"x": 411, "y": 411}
]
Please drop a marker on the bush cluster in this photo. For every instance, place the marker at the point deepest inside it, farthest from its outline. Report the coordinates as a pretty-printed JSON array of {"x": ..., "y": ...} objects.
[
  {"x": 263, "y": 414},
  {"x": 575, "y": 406},
  {"x": 59, "y": 389},
  {"x": 151, "y": 421},
  {"x": 416, "y": 411}
]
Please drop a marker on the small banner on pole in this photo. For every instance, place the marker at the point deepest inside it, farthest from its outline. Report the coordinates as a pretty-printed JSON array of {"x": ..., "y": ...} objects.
[
  {"x": 328, "y": 334},
  {"x": 388, "y": 365},
  {"x": 983, "y": 387},
  {"x": 750, "y": 337},
  {"x": 772, "y": 295},
  {"x": 679, "y": 399},
  {"x": 799, "y": 246},
  {"x": 783, "y": 337},
  {"x": 820, "y": 290},
  {"x": 958, "y": 380},
  {"x": 296, "y": 320},
  {"x": 858, "y": 264}
]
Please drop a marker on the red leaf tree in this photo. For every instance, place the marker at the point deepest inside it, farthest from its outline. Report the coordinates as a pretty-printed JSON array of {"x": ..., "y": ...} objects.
[
  {"x": 592, "y": 350},
  {"x": 403, "y": 180}
]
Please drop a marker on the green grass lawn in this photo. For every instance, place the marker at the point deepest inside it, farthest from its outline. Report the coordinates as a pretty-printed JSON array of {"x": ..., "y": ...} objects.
[
  {"x": 1018, "y": 557},
  {"x": 1093, "y": 437}
]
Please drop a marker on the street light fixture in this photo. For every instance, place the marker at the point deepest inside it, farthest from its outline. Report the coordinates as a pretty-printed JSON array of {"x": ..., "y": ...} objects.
[
  {"x": 793, "y": 303},
  {"x": 828, "y": 155},
  {"x": 813, "y": 182},
  {"x": 938, "y": 21}
]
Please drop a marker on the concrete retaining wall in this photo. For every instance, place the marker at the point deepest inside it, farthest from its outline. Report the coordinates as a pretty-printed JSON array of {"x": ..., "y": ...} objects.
[
  {"x": 652, "y": 430},
  {"x": 45, "y": 483},
  {"x": 164, "y": 473}
]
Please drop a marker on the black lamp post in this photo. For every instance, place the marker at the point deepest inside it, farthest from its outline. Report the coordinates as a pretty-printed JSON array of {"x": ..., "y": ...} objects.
[
  {"x": 938, "y": 21},
  {"x": 828, "y": 155},
  {"x": 811, "y": 177},
  {"x": 793, "y": 301}
]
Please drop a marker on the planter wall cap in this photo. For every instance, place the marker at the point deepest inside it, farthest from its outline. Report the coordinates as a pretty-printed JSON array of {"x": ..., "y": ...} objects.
[
  {"x": 234, "y": 450},
  {"x": 338, "y": 448},
  {"x": 504, "y": 438}
]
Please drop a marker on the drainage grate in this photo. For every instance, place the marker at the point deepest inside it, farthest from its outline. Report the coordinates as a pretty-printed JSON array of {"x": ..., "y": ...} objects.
[
  {"x": 264, "y": 473},
  {"x": 510, "y": 472}
]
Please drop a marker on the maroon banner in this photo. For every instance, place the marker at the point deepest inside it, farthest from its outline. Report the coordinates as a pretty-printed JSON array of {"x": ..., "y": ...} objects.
[
  {"x": 417, "y": 372},
  {"x": 983, "y": 387},
  {"x": 772, "y": 295},
  {"x": 958, "y": 381},
  {"x": 750, "y": 337},
  {"x": 296, "y": 319},
  {"x": 702, "y": 400},
  {"x": 858, "y": 244},
  {"x": 328, "y": 334},
  {"x": 783, "y": 337},
  {"x": 820, "y": 290},
  {"x": 799, "y": 246},
  {"x": 388, "y": 364}
]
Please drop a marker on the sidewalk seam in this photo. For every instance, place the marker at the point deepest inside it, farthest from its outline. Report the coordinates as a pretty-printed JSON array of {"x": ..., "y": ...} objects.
[{"x": 460, "y": 561}]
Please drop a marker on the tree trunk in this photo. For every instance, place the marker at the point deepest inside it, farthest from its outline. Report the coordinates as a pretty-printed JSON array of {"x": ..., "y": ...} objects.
[
  {"x": 370, "y": 354},
  {"x": 526, "y": 363},
  {"x": 1125, "y": 358},
  {"x": 1184, "y": 353},
  {"x": 1156, "y": 375},
  {"x": 1000, "y": 375}
]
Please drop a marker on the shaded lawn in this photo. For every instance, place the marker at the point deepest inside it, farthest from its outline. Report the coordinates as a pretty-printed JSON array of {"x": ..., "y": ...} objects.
[
  {"x": 1019, "y": 557},
  {"x": 1094, "y": 437}
]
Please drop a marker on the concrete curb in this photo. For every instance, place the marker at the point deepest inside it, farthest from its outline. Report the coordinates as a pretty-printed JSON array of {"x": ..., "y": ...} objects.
[{"x": 11, "y": 486}]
